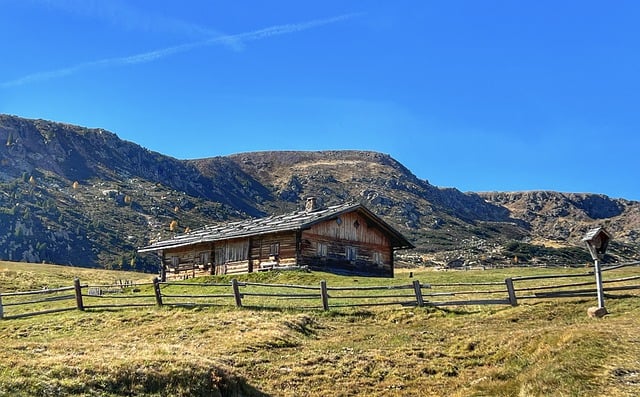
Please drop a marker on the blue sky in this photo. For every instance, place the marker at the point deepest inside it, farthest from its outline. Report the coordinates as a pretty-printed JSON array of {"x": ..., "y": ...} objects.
[{"x": 478, "y": 95}]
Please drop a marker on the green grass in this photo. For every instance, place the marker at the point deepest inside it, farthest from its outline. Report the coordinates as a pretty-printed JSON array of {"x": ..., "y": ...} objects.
[{"x": 539, "y": 348}]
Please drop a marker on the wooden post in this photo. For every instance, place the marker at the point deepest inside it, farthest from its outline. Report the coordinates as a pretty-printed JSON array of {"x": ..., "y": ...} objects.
[
  {"x": 78, "y": 288},
  {"x": 600, "y": 290},
  {"x": 236, "y": 292},
  {"x": 156, "y": 290},
  {"x": 1, "y": 309},
  {"x": 325, "y": 295},
  {"x": 163, "y": 273},
  {"x": 418, "y": 290},
  {"x": 511, "y": 291}
]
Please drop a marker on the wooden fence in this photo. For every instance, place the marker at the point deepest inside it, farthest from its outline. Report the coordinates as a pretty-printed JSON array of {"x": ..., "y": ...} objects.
[{"x": 321, "y": 297}]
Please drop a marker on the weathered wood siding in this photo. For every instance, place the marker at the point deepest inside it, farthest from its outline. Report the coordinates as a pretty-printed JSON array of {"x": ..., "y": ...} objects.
[
  {"x": 189, "y": 261},
  {"x": 232, "y": 256},
  {"x": 263, "y": 248},
  {"x": 347, "y": 243},
  {"x": 225, "y": 257}
]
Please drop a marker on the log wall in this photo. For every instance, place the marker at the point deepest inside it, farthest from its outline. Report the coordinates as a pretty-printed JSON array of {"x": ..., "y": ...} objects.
[
  {"x": 262, "y": 248},
  {"x": 195, "y": 260},
  {"x": 330, "y": 244},
  {"x": 348, "y": 242}
]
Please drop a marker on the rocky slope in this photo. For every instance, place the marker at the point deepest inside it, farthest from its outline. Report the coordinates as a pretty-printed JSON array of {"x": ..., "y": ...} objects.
[
  {"x": 72, "y": 195},
  {"x": 561, "y": 218},
  {"x": 79, "y": 196}
]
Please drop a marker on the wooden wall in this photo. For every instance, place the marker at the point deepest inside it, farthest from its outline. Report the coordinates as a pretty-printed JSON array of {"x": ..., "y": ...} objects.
[
  {"x": 261, "y": 247},
  {"x": 374, "y": 252},
  {"x": 234, "y": 256},
  {"x": 189, "y": 262},
  {"x": 351, "y": 227},
  {"x": 347, "y": 233}
]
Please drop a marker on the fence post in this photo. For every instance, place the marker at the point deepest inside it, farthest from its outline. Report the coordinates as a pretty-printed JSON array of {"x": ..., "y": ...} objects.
[
  {"x": 418, "y": 290},
  {"x": 513, "y": 300},
  {"x": 156, "y": 290},
  {"x": 1, "y": 309},
  {"x": 78, "y": 288},
  {"x": 325, "y": 295},
  {"x": 163, "y": 273},
  {"x": 236, "y": 292}
]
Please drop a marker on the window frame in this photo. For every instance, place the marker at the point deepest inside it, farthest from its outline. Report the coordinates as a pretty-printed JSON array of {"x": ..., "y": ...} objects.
[
  {"x": 274, "y": 249},
  {"x": 351, "y": 253},
  {"x": 322, "y": 250}
]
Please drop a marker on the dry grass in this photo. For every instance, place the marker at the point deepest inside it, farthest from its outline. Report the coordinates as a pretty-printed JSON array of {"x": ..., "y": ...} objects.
[
  {"x": 549, "y": 243},
  {"x": 17, "y": 276},
  {"x": 545, "y": 348}
]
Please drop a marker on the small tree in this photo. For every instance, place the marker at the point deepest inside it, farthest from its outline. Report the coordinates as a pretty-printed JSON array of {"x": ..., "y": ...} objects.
[{"x": 173, "y": 225}]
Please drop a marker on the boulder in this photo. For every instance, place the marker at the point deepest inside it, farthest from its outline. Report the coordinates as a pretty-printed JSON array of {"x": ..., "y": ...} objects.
[{"x": 597, "y": 312}]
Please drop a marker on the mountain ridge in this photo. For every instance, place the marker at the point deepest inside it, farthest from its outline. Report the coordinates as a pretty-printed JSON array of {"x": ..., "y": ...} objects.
[{"x": 83, "y": 196}]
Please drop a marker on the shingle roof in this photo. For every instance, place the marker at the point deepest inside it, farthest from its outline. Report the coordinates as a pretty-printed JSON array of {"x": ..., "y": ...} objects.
[
  {"x": 594, "y": 232},
  {"x": 272, "y": 224}
]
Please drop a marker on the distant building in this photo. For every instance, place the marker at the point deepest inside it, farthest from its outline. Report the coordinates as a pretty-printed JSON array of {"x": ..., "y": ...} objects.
[{"x": 346, "y": 238}]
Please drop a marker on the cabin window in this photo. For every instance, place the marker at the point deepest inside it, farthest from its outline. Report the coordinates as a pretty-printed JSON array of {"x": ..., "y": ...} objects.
[
  {"x": 377, "y": 258},
  {"x": 351, "y": 253},
  {"x": 274, "y": 249},
  {"x": 321, "y": 250},
  {"x": 237, "y": 251}
]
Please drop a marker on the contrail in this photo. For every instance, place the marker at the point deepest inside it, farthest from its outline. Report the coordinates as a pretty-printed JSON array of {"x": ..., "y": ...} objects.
[
  {"x": 168, "y": 51},
  {"x": 122, "y": 14},
  {"x": 292, "y": 28}
]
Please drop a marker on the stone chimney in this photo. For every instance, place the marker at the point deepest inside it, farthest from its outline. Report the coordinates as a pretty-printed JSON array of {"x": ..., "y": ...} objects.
[{"x": 312, "y": 204}]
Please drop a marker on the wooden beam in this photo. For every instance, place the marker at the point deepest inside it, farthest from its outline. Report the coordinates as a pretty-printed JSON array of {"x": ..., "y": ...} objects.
[
  {"x": 78, "y": 289},
  {"x": 511, "y": 291},
  {"x": 418, "y": 290},
  {"x": 324, "y": 294},
  {"x": 236, "y": 292},
  {"x": 157, "y": 292}
]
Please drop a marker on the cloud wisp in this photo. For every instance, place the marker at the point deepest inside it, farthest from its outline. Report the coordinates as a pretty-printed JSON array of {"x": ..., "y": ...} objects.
[
  {"x": 151, "y": 56},
  {"x": 123, "y": 15}
]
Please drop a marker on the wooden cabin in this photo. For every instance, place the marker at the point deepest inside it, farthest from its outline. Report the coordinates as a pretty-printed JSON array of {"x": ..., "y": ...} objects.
[{"x": 346, "y": 238}]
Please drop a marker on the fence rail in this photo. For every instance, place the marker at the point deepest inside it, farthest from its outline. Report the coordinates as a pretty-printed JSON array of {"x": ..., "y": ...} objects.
[{"x": 322, "y": 296}]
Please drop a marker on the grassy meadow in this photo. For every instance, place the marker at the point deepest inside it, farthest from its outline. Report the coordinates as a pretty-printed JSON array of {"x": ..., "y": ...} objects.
[{"x": 539, "y": 348}]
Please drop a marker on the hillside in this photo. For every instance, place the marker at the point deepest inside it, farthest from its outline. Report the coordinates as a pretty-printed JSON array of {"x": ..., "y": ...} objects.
[
  {"x": 538, "y": 348},
  {"x": 81, "y": 196},
  {"x": 72, "y": 195}
]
